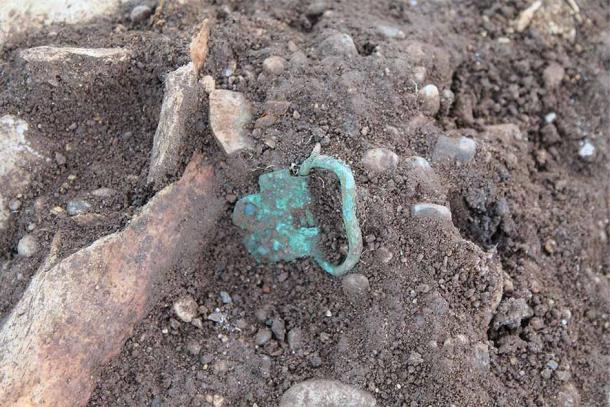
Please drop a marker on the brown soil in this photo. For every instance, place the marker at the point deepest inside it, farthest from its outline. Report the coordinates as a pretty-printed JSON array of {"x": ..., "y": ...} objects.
[{"x": 530, "y": 216}]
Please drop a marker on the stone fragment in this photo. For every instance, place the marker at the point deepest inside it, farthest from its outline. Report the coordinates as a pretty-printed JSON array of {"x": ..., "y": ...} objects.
[
  {"x": 390, "y": 32},
  {"x": 180, "y": 105},
  {"x": 429, "y": 210},
  {"x": 326, "y": 393},
  {"x": 230, "y": 112},
  {"x": 460, "y": 149},
  {"x": 380, "y": 160},
  {"x": 186, "y": 308},
  {"x": 77, "y": 207},
  {"x": 338, "y": 44},
  {"x": 199, "y": 45}
]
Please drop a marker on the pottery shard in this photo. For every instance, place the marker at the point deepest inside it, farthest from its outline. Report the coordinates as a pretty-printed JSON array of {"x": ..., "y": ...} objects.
[
  {"x": 180, "y": 104},
  {"x": 230, "y": 112},
  {"x": 76, "y": 314}
]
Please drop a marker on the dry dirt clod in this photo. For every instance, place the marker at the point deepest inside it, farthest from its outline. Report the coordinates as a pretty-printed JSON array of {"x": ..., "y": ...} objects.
[
  {"x": 511, "y": 312},
  {"x": 328, "y": 393},
  {"x": 65, "y": 326},
  {"x": 553, "y": 75},
  {"x": 230, "y": 112}
]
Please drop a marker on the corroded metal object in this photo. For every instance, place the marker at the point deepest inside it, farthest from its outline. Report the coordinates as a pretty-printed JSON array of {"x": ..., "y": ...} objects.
[{"x": 279, "y": 222}]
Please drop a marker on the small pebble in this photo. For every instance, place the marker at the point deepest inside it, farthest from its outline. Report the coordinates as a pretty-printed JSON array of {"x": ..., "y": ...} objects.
[
  {"x": 217, "y": 317},
  {"x": 430, "y": 99},
  {"x": 208, "y": 84},
  {"x": 225, "y": 297},
  {"x": 586, "y": 150},
  {"x": 384, "y": 255},
  {"x": 140, "y": 13},
  {"x": 553, "y": 365},
  {"x": 186, "y": 308},
  {"x": 279, "y": 329},
  {"x": 553, "y": 75},
  {"x": 419, "y": 74},
  {"x": 197, "y": 322},
  {"x": 274, "y": 65},
  {"x": 415, "y": 359},
  {"x": 27, "y": 246},
  {"x": 355, "y": 287},
  {"x": 550, "y": 117},
  {"x": 14, "y": 204},
  {"x": 338, "y": 44},
  {"x": 460, "y": 149},
  {"x": 391, "y": 32},
  {"x": 60, "y": 159},
  {"x": 77, "y": 207},
  {"x": 103, "y": 192},
  {"x": 295, "y": 338},
  {"x": 315, "y": 360},
  {"x": 193, "y": 347},
  {"x": 511, "y": 312},
  {"x": 262, "y": 336},
  {"x": 380, "y": 160}
]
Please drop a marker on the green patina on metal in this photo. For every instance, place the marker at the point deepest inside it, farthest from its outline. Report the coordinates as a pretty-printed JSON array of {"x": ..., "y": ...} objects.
[{"x": 279, "y": 222}]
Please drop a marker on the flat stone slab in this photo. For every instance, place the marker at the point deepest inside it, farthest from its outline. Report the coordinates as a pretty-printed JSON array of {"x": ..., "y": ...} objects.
[
  {"x": 230, "y": 112},
  {"x": 180, "y": 104},
  {"x": 72, "y": 65},
  {"x": 20, "y": 16}
]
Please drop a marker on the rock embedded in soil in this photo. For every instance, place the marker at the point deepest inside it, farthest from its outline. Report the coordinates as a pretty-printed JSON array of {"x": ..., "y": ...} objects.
[
  {"x": 338, "y": 44},
  {"x": 20, "y": 16},
  {"x": 77, "y": 207},
  {"x": 274, "y": 65},
  {"x": 56, "y": 338},
  {"x": 390, "y": 32},
  {"x": 511, "y": 312},
  {"x": 262, "y": 336},
  {"x": 377, "y": 160},
  {"x": 17, "y": 158},
  {"x": 186, "y": 308},
  {"x": 461, "y": 149},
  {"x": 326, "y": 393},
  {"x": 295, "y": 338},
  {"x": 430, "y": 210},
  {"x": 355, "y": 287},
  {"x": 430, "y": 99},
  {"x": 230, "y": 112},
  {"x": 140, "y": 13},
  {"x": 27, "y": 246},
  {"x": 180, "y": 105},
  {"x": 73, "y": 66},
  {"x": 278, "y": 327}
]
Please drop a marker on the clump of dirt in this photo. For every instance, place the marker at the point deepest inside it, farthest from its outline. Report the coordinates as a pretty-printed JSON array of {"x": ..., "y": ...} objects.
[{"x": 505, "y": 305}]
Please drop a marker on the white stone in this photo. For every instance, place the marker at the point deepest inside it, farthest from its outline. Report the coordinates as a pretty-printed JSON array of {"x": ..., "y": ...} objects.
[
  {"x": 430, "y": 210},
  {"x": 51, "y": 54},
  {"x": 230, "y": 112},
  {"x": 587, "y": 149},
  {"x": 179, "y": 106},
  {"x": 16, "y": 158},
  {"x": 27, "y": 246},
  {"x": 460, "y": 149},
  {"x": 389, "y": 31},
  {"x": 380, "y": 160},
  {"x": 430, "y": 99},
  {"x": 186, "y": 308},
  {"x": 326, "y": 393}
]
